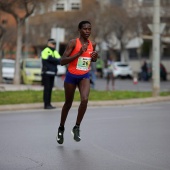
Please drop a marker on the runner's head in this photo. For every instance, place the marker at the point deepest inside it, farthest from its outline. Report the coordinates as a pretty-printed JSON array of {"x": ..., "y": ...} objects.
[
  {"x": 84, "y": 28},
  {"x": 82, "y": 23}
]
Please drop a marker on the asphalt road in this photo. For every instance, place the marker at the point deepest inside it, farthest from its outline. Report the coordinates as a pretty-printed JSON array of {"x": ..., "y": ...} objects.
[
  {"x": 123, "y": 84},
  {"x": 134, "y": 137},
  {"x": 120, "y": 84}
]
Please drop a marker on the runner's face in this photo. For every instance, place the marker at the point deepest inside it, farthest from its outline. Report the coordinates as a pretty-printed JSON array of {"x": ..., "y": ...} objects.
[{"x": 85, "y": 31}]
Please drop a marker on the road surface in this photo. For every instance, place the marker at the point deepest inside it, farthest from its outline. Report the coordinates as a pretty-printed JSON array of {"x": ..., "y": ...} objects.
[{"x": 134, "y": 137}]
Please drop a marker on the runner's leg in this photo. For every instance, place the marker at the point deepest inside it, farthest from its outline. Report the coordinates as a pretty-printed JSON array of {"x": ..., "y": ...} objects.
[
  {"x": 69, "y": 96},
  {"x": 84, "y": 89}
]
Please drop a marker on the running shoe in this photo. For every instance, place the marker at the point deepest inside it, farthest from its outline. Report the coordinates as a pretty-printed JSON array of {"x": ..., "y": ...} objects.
[
  {"x": 60, "y": 136},
  {"x": 76, "y": 134}
]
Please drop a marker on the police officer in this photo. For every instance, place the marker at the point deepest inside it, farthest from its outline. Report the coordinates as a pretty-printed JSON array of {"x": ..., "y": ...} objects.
[{"x": 50, "y": 60}]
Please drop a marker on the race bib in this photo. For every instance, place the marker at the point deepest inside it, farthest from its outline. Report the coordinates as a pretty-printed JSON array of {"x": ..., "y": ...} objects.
[{"x": 83, "y": 63}]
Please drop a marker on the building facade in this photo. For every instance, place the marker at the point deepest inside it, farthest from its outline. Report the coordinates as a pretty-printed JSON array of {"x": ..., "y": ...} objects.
[{"x": 139, "y": 47}]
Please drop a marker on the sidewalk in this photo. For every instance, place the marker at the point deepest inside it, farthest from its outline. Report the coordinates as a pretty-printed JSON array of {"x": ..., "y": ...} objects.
[
  {"x": 11, "y": 87},
  {"x": 15, "y": 107}
]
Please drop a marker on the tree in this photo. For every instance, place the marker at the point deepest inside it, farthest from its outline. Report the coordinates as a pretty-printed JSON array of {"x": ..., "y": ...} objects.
[
  {"x": 7, "y": 38},
  {"x": 20, "y": 10},
  {"x": 105, "y": 20},
  {"x": 2, "y": 32}
]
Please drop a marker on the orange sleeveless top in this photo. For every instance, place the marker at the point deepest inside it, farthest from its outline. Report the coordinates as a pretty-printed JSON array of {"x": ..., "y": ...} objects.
[{"x": 81, "y": 65}]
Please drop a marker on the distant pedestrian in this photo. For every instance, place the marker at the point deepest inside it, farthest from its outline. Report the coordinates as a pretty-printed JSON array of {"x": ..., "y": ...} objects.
[
  {"x": 50, "y": 60},
  {"x": 163, "y": 72},
  {"x": 93, "y": 75},
  {"x": 144, "y": 73},
  {"x": 99, "y": 67},
  {"x": 110, "y": 73}
]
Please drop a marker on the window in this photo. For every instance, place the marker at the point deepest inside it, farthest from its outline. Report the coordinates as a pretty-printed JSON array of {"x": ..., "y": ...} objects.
[
  {"x": 33, "y": 64},
  {"x": 60, "y": 6},
  {"x": 117, "y": 2},
  {"x": 151, "y": 2},
  {"x": 146, "y": 49},
  {"x": 133, "y": 53},
  {"x": 148, "y": 1},
  {"x": 68, "y": 5},
  {"x": 165, "y": 2},
  {"x": 75, "y": 6},
  {"x": 8, "y": 64},
  {"x": 166, "y": 52}
]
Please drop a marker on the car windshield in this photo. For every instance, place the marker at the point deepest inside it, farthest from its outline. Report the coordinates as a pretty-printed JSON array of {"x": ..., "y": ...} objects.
[
  {"x": 33, "y": 64},
  {"x": 7, "y": 65},
  {"x": 122, "y": 65}
]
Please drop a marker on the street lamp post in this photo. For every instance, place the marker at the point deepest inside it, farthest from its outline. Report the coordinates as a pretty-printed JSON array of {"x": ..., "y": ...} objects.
[{"x": 156, "y": 50}]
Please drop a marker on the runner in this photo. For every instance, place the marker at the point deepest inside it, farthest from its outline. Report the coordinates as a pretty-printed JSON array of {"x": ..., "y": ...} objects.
[{"x": 80, "y": 52}]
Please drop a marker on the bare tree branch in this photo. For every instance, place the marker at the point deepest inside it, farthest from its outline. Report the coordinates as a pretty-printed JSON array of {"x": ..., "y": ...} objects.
[{"x": 20, "y": 10}]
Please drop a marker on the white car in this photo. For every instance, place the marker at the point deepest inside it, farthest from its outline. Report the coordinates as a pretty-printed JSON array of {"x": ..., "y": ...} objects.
[
  {"x": 120, "y": 69},
  {"x": 60, "y": 74},
  {"x": 8, "y": 69},
  {"x": 61, "y": 70}
]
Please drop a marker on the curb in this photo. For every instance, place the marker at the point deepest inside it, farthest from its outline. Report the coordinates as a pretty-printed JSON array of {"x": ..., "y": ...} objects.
[{"x": 16, "y": 107}]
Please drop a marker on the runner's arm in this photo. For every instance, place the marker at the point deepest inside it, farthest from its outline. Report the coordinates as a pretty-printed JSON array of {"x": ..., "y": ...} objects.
[{"x": 65, "y": 59}]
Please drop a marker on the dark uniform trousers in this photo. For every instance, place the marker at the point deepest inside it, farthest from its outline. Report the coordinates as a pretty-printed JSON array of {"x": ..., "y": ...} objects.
[{"x": 48, "y": 81}]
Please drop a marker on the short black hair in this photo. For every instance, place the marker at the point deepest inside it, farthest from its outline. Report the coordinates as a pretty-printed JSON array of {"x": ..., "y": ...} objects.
[
  {"x": 51, "y": 40},
  {"x": 82, "y": 23}
]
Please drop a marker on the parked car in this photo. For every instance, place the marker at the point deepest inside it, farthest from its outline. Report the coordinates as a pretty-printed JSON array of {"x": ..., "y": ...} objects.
[
  {"x": 121, "y": 69},
  {"x": 8, "y": 69},
  {"x": 31, "y": 71},
  {"x": 60, "y": 73},
  {"x": 61, "y": 70}
]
